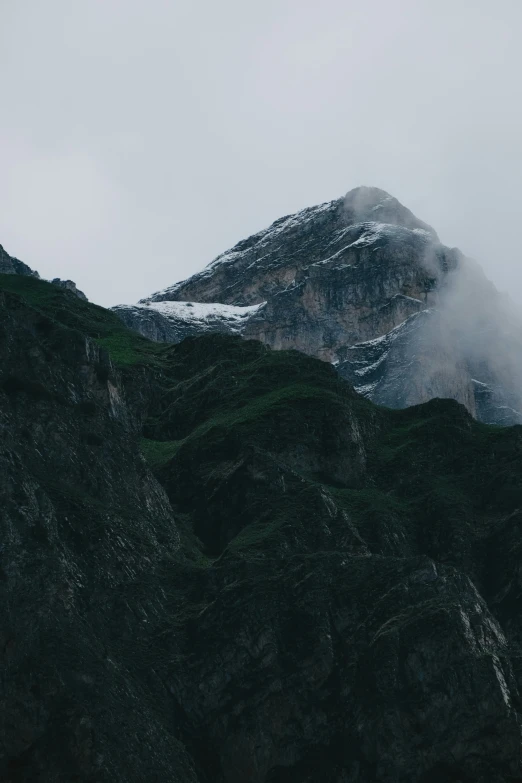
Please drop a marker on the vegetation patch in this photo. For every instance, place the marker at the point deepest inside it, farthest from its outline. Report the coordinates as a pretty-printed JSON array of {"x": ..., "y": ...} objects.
[
  {"x": 157, "y": 452},
  {"x": 64, "y": 308}
]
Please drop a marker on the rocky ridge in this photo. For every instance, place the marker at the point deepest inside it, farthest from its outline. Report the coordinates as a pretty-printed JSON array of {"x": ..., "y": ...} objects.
[
  {"x": 333, "y": 279},
  {"x": 12, "y": 266},
  {"x": 69, "y": 285}
]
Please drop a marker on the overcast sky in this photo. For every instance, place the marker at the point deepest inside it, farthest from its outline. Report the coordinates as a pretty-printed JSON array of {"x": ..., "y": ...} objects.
[{"x": 140, "y": 138}]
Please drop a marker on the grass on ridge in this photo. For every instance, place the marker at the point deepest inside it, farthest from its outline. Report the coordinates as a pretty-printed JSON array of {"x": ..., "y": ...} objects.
[{"x": 125, "y": 346}]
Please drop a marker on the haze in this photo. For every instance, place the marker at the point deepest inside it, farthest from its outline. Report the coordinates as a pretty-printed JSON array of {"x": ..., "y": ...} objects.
[{"x": 139, "y": 140}]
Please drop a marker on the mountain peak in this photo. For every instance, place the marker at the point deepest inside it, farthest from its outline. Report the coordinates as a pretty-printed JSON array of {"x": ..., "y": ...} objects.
[
  {"x": 363, "y": 283},
  {"x": 268, "y": 261},
  {"x": 363, "y": 204}
]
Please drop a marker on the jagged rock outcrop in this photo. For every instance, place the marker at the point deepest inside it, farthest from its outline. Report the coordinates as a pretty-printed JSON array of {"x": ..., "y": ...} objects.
[
  {"x": 344, "y": 274},
  {"x": 12, "y": 266},
  {"x": 69, "y": 285},
  {"x": 295, "y": 585}
]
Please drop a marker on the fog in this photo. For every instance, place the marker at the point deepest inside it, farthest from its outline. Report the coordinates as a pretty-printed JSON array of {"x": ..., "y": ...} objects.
[
  {"x": 139, "y": 140},
  {"x": 472, "y": 331}
]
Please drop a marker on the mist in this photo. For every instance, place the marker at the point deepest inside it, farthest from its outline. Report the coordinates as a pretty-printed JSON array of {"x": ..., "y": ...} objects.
[
  {"x": 139, "y": 141},
  {"x": 468, "y": 344}
]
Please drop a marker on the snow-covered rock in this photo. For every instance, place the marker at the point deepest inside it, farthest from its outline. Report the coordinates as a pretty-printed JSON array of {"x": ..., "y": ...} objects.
[{"x": 173, "y": 321}]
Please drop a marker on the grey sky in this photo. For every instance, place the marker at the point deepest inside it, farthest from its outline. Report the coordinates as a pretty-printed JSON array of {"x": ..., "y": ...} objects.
[{"x": 140, "y": 139}]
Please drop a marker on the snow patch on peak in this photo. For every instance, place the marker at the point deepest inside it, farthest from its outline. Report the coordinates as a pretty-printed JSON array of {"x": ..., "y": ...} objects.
[
  {"x": 200, "y": 311},
  {"x": 172, "y": 322},
  {"x": 372, "y": 232}
]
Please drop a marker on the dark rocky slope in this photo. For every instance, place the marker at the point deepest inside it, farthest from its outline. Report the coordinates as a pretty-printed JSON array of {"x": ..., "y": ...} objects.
[
  {"x": 332, "y": 279},
  {"x": 86, "y": 537},
  {"x": 300, "y": 587}
]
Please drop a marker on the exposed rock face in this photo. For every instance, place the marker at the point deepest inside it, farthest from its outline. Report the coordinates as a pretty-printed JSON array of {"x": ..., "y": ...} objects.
[
  {"x": 346, "y": 273},
  {"x": 12, "y": 266},
  {"x": 69, "y": 285},
  {"x": 85, "y": 530},
  {"x": 309, "y": 588},
  {"x": 330, "y": 275},
  {"x": 468, "y": 347},
  {"x": 406, "y": 365},
  {"x": 268, "y": 262}
]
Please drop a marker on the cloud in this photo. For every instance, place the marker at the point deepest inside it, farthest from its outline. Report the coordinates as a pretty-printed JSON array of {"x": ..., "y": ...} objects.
[
  {"x": 473, "y": 332},
  {"x": 138, "y": 143}
]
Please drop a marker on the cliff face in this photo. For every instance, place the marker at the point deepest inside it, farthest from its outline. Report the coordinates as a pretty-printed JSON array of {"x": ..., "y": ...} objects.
[
  {"x": 12, "y": 266},
  {"x": 85, "y": 530},
  {"x": 69, "y": 285},
  {"x": 219, "y": 564},
  {"x": 412, "y": 363},
  {"x": 328, "y": 276},
  {"x": 268, "y": 262},
  {"x": 346, "y": 273}
]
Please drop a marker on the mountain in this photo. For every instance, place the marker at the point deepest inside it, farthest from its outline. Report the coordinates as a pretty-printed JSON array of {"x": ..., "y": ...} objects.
[
  {"x": 362, "y": 283},
  {"x": 221, "y": 564}
]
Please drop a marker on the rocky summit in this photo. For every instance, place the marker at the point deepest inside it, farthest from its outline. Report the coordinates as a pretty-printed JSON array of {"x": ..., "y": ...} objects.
[
  {"x": 221, "y": 564},
  {"x": 362, "y": 283}
]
